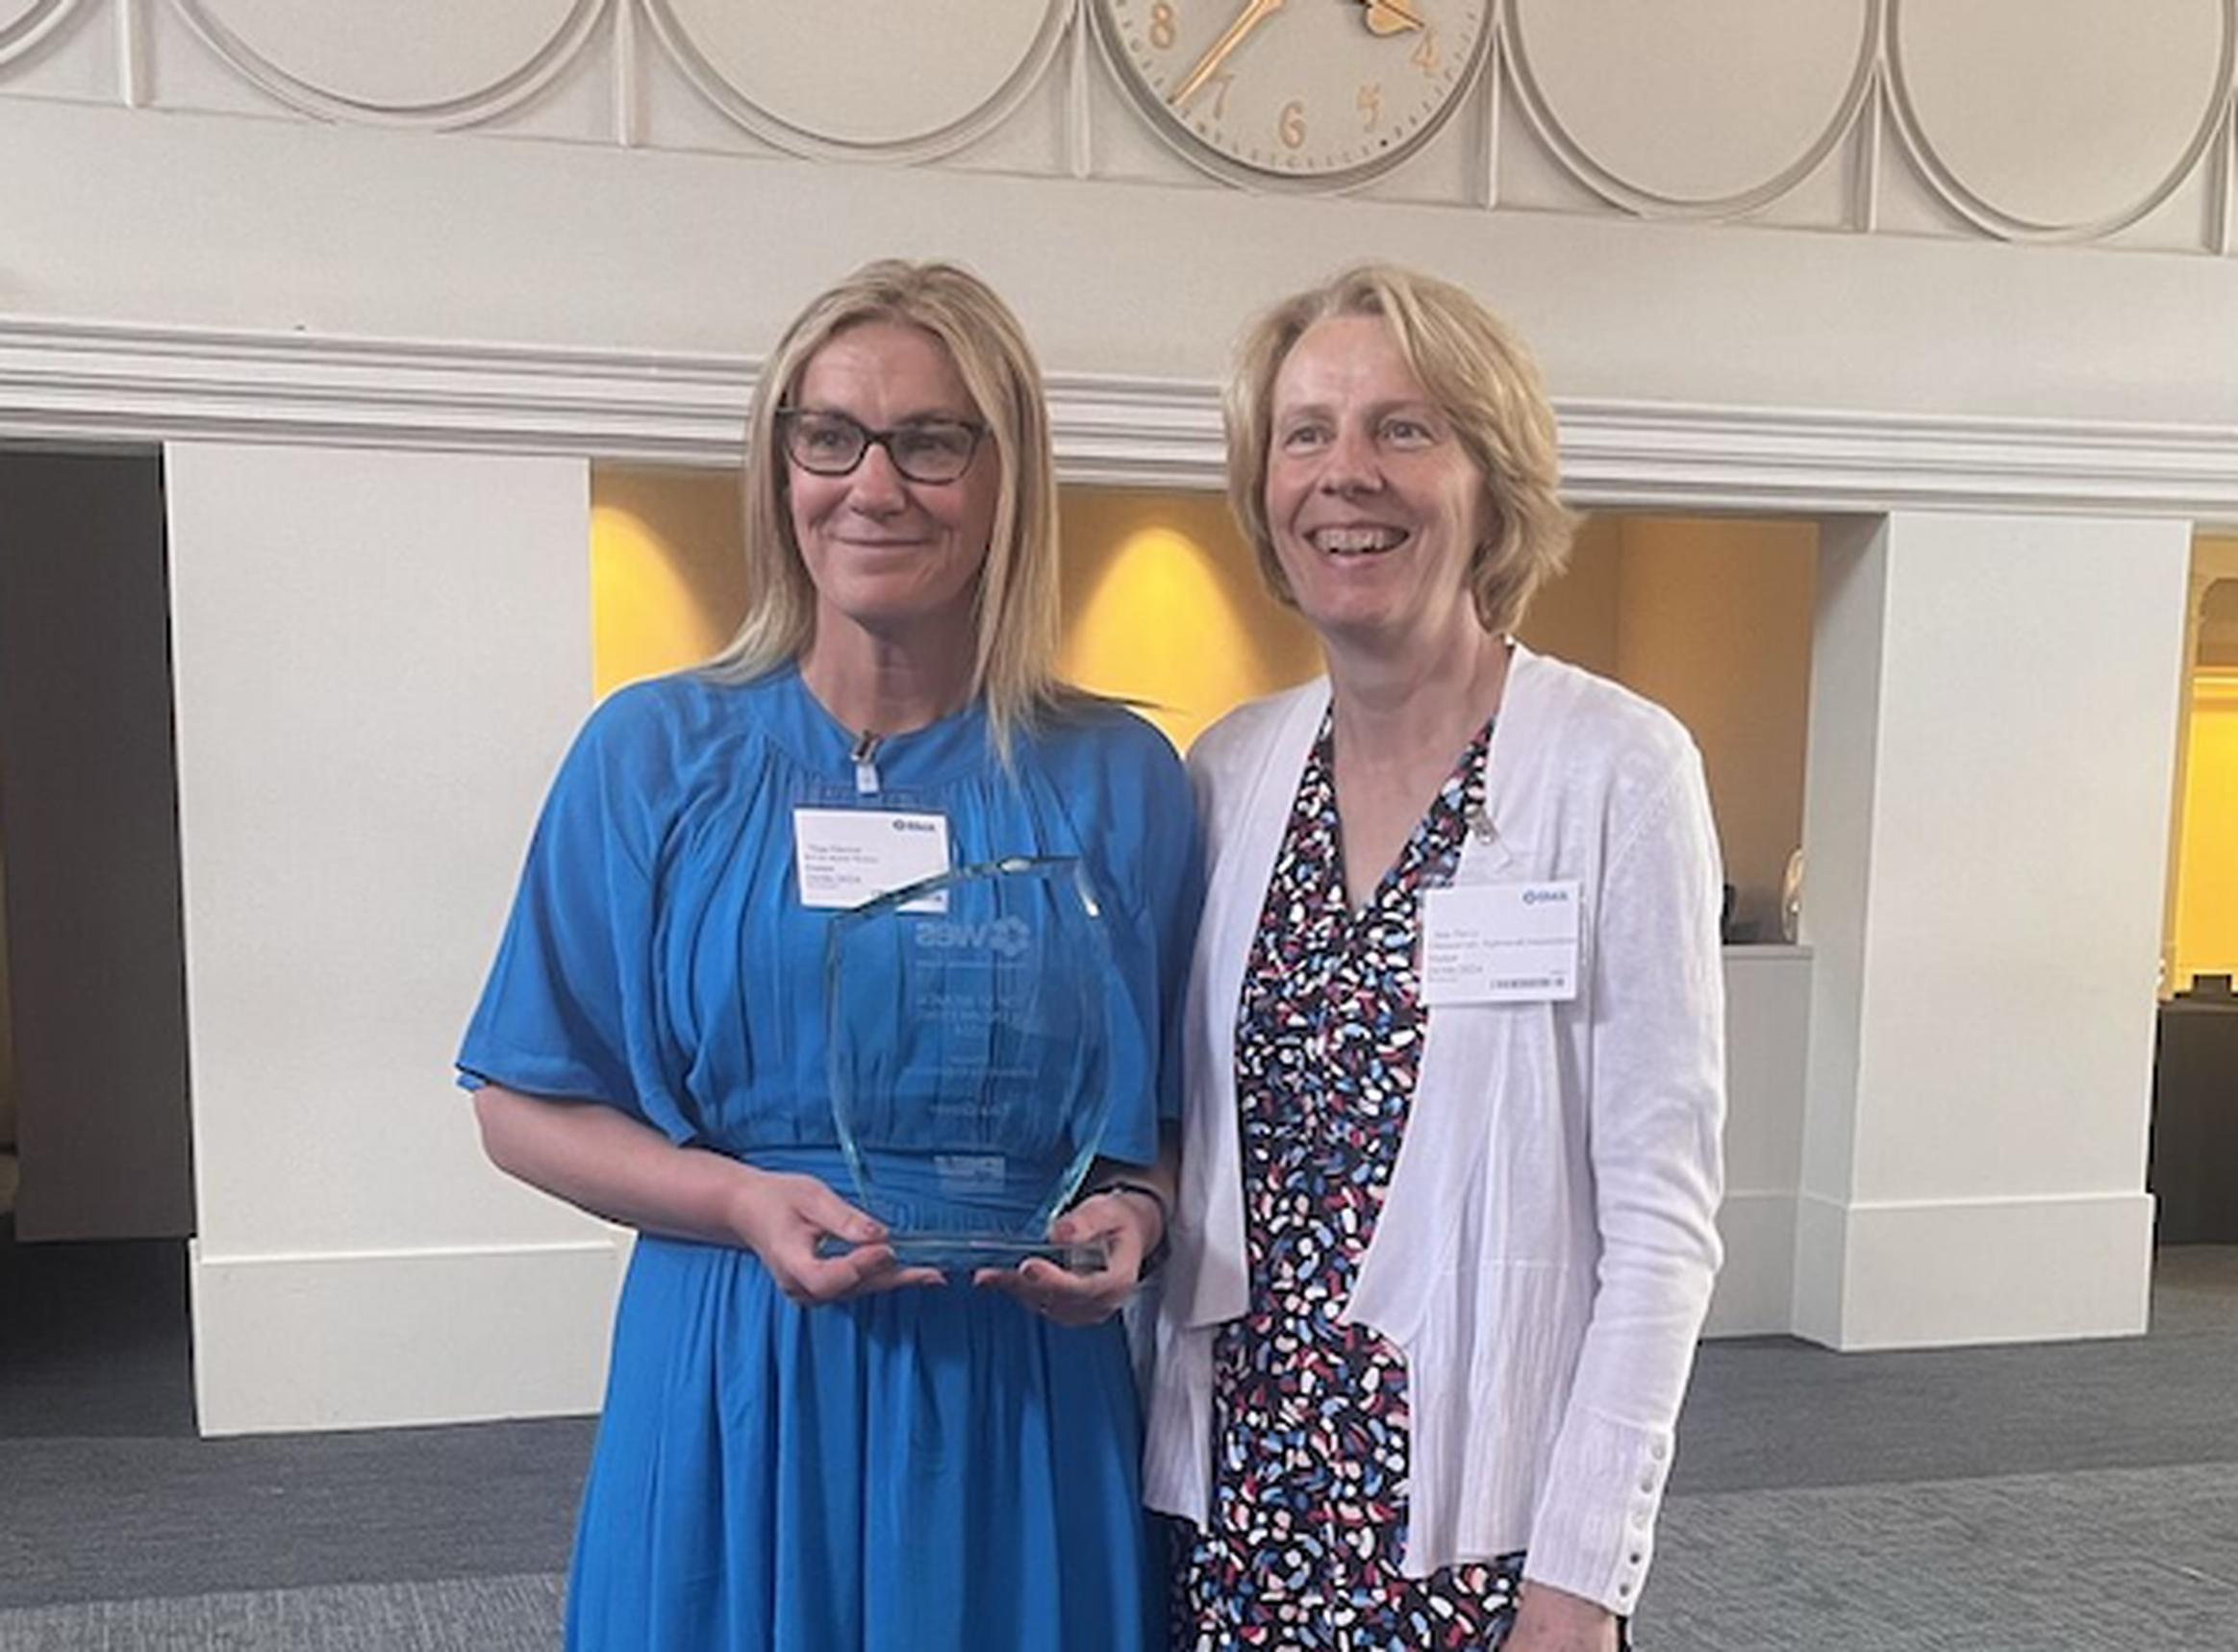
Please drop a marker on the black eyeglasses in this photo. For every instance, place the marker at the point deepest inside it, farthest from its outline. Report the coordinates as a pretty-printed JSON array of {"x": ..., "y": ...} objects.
[{"x": 924, "y": 450}]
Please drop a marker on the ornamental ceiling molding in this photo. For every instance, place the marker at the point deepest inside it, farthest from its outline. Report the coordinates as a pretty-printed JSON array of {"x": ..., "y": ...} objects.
[
  {"x": 544, "y": 62},
  {"x": 738, "y": 103},
  {"x": 1886, "y": 76},
  {"x": 1974, "y": 204},
  {"x": 1576, "y": 155},
  {"x": 31, "y": 24},
  {"x": 78, "y": 383}
]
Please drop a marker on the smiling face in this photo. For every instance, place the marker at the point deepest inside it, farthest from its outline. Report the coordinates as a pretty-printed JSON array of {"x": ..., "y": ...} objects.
[
  {"x": 887, "y": 556},
  {"x": 1374, "y": 507}
]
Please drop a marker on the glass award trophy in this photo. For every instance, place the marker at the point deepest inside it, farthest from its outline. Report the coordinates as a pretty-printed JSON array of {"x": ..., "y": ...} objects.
[{"x": 970, "y": 1029}]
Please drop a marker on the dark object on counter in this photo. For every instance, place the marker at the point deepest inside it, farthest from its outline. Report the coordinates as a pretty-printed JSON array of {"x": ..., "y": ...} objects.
[{"x": 2194, "y": 1165}]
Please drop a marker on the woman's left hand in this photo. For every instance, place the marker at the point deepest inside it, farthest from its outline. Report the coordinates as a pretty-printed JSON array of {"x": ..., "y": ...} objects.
[
  {"x": 1554, "y": 1620},
  {"x": 1128, "y": 1226}
]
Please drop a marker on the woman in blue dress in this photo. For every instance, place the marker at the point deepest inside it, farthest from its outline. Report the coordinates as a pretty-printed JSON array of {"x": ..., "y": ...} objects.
[{"x": 802, "y": 1449}]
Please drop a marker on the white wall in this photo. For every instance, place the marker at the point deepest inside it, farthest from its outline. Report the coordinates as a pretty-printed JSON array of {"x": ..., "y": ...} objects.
[
  {"x": 1767, "y": 1025},
  {"x": 696, "y": 237},
  {"x": 1985, "y": 830},
  {"x": 380, "y": 659}
]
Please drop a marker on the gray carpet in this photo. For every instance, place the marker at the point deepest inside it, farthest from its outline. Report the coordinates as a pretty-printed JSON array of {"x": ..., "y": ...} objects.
[
  {"x": 116, "y": 1519},
  {"x": 2074, "y": 1496},
  {"x": 471, "y": 1615},
  {"x": 1773, "y": 1412},
  {"x": 93, "y": 1340},
  {"x": 2140, "y": 1559}
]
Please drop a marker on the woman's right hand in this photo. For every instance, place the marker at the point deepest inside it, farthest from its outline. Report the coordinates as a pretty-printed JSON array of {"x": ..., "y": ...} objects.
[{"x": 784, "y": 1217}]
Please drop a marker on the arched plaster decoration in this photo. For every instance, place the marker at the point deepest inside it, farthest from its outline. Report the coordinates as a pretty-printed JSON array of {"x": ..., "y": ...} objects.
[
  {"x": 1993, "y": 103},
  {"x": 429, "y": 63},
  {"x": 1741, "y": 128},
  {"x": 25, "y": 23},
  {"x": 861, "y": 83}
]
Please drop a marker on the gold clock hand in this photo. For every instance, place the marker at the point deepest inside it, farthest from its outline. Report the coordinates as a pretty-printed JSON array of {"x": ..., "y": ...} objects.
[
  {"x": 1389, "y": 16},
  {"x": 1253, "y": 13}
]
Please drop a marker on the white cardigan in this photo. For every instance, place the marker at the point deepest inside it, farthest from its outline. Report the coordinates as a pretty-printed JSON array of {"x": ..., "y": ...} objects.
[{"x": 1547, "y": 1245}]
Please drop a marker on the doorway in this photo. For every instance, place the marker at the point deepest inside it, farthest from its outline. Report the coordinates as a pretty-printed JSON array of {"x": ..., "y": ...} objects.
[
  {"x": 93, "y": 1059},
  {"x": 2195, "y": 1102}
]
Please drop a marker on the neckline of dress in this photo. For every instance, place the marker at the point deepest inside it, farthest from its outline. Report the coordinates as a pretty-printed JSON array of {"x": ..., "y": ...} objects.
[{"x": 944, "y": 749}]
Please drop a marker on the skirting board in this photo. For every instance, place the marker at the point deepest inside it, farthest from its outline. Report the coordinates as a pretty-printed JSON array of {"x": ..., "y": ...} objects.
[
  {"x": 390, "y": 1338},
  {"x": 1756, "y": 1284},
  {"x": 1944, "y": 1274}
]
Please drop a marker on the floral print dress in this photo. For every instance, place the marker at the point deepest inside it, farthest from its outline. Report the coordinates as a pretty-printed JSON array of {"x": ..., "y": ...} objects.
[{"x": 1308, "y": 1517}]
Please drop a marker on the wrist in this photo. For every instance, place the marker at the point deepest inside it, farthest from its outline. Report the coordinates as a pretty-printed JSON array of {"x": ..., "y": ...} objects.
[
  {"x": 1143, "y": 1194},
  {"x": 743, "y": 1203}
]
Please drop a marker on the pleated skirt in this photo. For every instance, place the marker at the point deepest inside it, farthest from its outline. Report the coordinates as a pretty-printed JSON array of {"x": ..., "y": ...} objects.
[{"x": 911, "y": 1472}]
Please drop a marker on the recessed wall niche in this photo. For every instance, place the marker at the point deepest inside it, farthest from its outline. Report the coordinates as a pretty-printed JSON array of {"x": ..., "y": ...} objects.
[
  {"x": 1164, "y": 606},
  {"x": 2203, "y": 909}
]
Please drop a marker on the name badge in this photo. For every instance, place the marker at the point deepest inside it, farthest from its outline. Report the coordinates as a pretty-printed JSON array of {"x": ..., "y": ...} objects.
[
  {"x": 849, "y": 856},
  {"x": 1500, "y": 944}
]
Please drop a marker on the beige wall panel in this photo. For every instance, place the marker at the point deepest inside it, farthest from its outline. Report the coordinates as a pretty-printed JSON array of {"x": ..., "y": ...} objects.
[
  {"x": 2062, "y": 112},
  {"x": 873, "y": 73},
  {"x": 1032, "y": 138},
  {"x": 24, "y": 23},
  {"x": 1703, "y": 101},
  {"x": 668, "y": 111},
  {"x": 64, "y": 49},
  {"x": 20, "y": 19},
  {"x": 277, "y": 225},
  {"x": 430, "y": 57}
]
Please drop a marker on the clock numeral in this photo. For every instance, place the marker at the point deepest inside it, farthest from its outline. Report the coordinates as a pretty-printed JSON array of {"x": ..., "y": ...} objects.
[
  {"x": 1370, "y": 102},
  {"x": 1290, "y": 127},
  {"x": 1162, "y": 26},
  {"x": 1424, "y": 56},
  {"x": 1220, "y": 100}
]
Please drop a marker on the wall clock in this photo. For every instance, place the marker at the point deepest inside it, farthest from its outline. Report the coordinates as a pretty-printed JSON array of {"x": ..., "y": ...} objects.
[{"x": 1317, "y": 95}]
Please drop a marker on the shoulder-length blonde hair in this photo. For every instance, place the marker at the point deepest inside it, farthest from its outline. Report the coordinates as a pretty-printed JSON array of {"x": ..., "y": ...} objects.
[
  {"x": 1479, "y": 377},
  {"x": 1014, "y": 612}
]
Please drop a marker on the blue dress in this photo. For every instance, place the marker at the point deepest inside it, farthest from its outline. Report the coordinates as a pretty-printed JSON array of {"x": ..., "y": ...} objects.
[{"x": 912, "y": 1471}]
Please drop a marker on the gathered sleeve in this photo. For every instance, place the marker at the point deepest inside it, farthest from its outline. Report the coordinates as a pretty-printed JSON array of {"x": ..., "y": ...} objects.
[
  {"x": 572, "y": 1009},
  {"x": 1657, "y": 1108},
  {"x": 1131, "y": 804}
]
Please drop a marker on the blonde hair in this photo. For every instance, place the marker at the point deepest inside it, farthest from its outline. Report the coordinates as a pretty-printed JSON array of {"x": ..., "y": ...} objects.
[
  {"x": 1014, "y": 612},
  {"x": 1479, "y": 377}
]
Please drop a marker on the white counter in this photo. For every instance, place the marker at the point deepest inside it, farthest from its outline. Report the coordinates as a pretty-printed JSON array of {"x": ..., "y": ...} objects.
[{"x": 1767, "y": 1017}]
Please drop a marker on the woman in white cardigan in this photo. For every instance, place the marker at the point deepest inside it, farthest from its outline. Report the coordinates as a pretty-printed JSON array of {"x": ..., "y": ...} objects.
[{"x": 1445, "y": 1233}]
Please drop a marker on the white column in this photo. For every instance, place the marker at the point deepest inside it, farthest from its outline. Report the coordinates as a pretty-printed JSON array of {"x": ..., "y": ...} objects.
[
  {"x": 380, "y": 658},
  {"x": 1994, "y": 712}
]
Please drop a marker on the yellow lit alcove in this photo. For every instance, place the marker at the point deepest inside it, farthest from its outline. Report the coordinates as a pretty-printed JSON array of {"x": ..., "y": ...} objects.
[
  {"x": 1163, "y": 607},
  {"x": 667, "y": 573},
  {"x": 2202, "y": 927},
  {"x": 1162, "y": 604}
]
